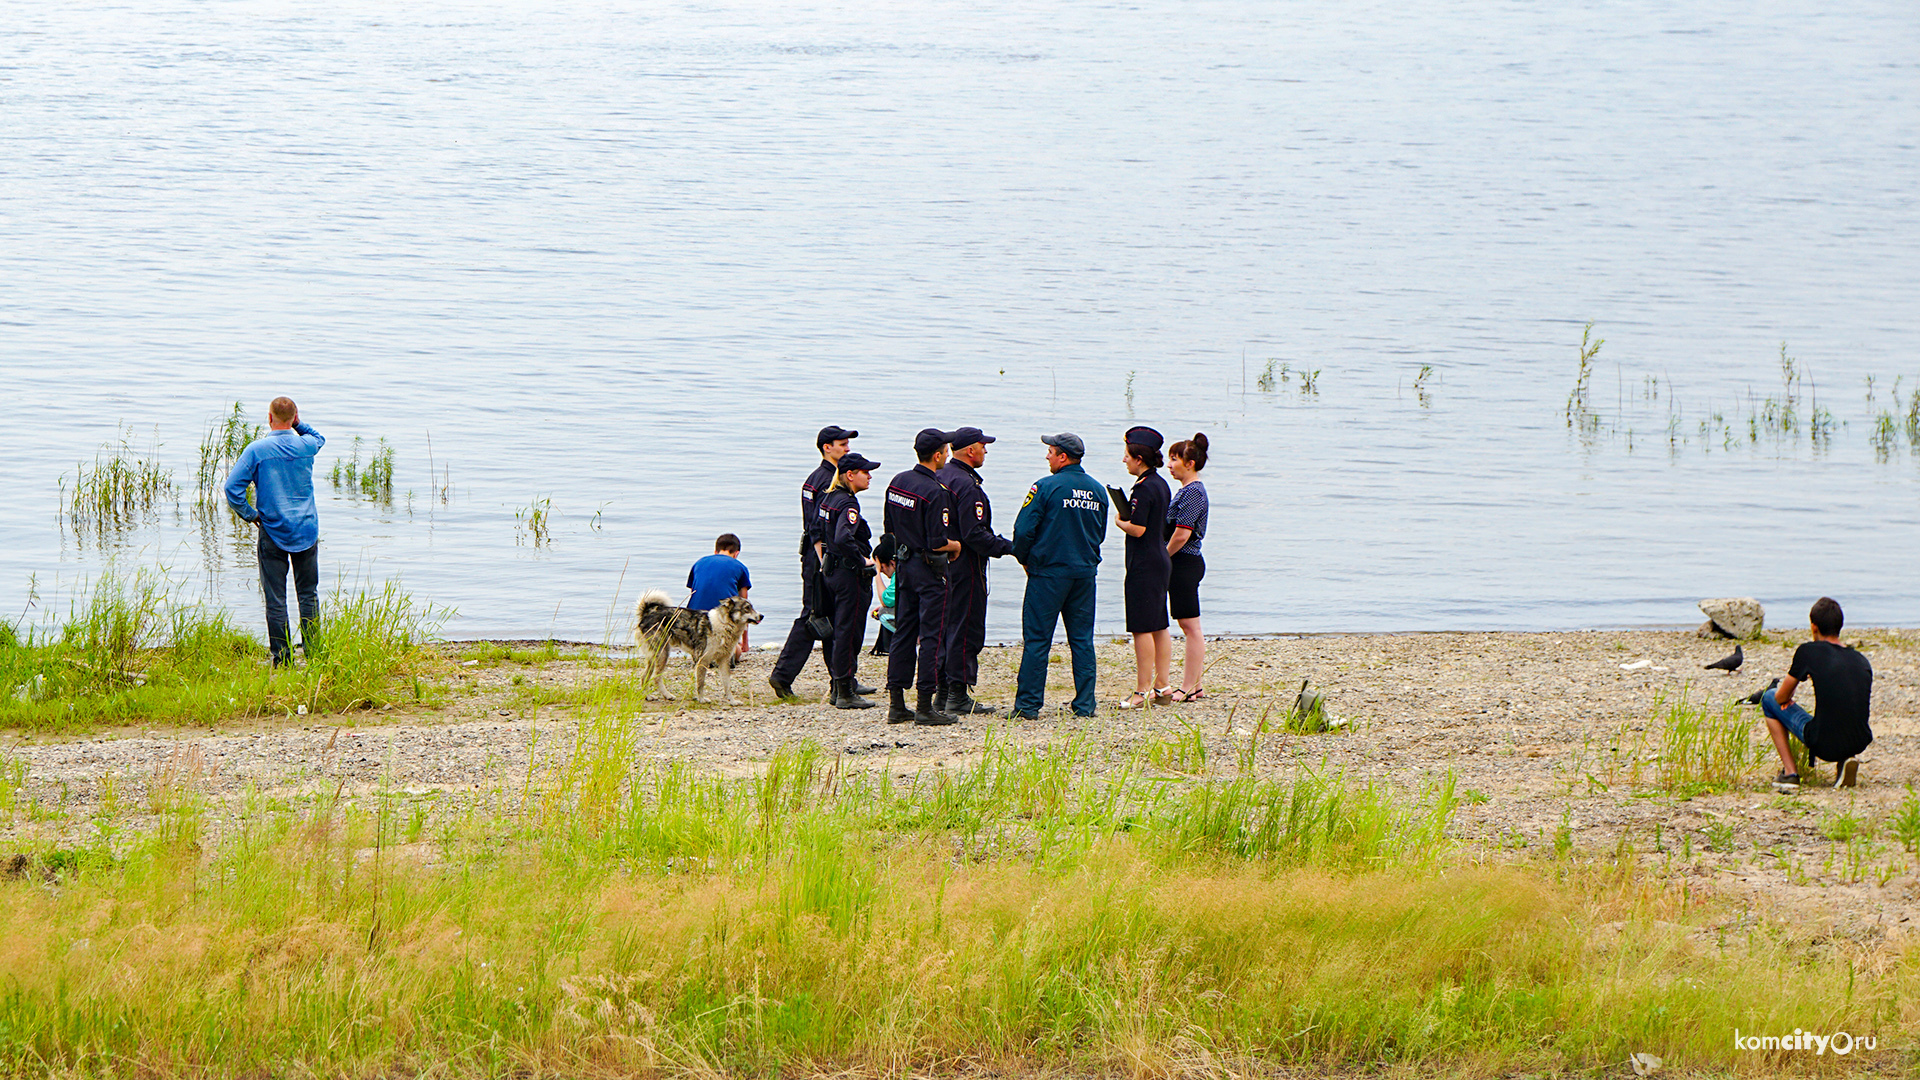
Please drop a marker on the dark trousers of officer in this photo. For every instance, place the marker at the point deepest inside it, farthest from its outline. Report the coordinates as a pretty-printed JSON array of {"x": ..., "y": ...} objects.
[
  {"x": 919, "y": 625},
  {"x": 274, "y": 564},
  {"x": 966, "y": 620},
  {"x": 800, "y": 639},
  {"x": 849, "y": 589},
  {"x": 1049, "y": 601}
]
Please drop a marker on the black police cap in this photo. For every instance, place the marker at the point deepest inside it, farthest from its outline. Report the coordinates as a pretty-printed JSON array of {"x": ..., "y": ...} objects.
[
  {"x": 1145, "y": 436},
  {"x": 834, "y": 433},
  {"x": 853, "y": 462}
]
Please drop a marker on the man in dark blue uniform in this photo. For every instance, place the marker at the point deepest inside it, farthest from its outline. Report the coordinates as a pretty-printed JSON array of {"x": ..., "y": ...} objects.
[
  {"x": 967, "y": 574},
  {"x": 832, "y": 442},
  {"x": 1057, "y": 538},
  {"x": 920, "y": 517}
]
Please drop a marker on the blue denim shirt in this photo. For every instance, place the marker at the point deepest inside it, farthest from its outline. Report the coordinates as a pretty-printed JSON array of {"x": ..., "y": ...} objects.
[{"x": 279, "y": 465}]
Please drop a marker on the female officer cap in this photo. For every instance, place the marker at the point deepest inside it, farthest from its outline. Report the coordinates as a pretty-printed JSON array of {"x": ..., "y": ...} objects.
[
  {"x": 1145, "y": 436},
  {"x": 851, "y": 461}
]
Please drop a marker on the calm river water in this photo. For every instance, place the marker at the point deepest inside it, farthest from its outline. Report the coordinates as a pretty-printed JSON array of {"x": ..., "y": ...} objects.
[{"x": 618, "y": 261}]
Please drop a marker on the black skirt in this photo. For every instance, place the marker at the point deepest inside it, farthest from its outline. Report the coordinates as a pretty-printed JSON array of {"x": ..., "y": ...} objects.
[
  {"x": 1183, "y": 585},
  {"x": 1147, "y": 597}
]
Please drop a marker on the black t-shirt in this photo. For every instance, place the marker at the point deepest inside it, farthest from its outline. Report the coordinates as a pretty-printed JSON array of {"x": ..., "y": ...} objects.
[{"x": 1843, "y": 682}]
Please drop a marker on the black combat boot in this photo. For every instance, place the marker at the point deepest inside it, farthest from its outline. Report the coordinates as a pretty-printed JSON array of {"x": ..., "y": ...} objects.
[
  {"x": 862, "y": 688},
  {"x": 961, "y": 703},
  {"x": 940, "y": 697},
  {"x": 928, "y": 716},
  {"x": 845, "y": 698},
  {"x": 781, "y": 690},
  {"x": 897, "y": 711}
]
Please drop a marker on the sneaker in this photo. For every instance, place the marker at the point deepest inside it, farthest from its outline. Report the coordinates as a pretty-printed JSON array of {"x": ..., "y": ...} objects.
[
  {"x": 1787, "y": 783},
  {"x": 1845, "y": 773}
]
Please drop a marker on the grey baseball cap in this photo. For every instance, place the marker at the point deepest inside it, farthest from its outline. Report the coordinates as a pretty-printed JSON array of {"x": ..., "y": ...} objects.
[{"x": 1067, "y": 443}]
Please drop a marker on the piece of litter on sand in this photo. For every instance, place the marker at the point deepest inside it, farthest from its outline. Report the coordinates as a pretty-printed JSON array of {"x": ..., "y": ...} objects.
[
  {"x": 468, "y": 663},
  {"x": 1637, "y": 665},
  {"x": 1645, "y": 1064}
]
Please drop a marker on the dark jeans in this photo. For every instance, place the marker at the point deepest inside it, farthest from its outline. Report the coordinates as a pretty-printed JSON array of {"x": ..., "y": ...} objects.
[
  {"x": 274, "y": 564},
  {"x": 1050, "y": 601}
]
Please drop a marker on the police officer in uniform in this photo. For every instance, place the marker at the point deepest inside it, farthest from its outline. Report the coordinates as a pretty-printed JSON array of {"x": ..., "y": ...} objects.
[
  {"x": 967, "y": 573},
  {"x": 1057, "y": 538},
  {"x": 832, "y": 442},
  {"x": 919, "y": 514},
  {"x": 847, "y": 573}
]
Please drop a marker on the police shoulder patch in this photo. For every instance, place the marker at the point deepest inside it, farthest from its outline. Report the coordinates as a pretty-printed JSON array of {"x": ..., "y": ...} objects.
[
  {"x": 979, "y": 512},
  {"x": 853, "y": 515}
]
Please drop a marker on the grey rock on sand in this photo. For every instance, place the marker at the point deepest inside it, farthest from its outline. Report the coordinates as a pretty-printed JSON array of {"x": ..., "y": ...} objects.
[{"x": 1733, "y": 616}]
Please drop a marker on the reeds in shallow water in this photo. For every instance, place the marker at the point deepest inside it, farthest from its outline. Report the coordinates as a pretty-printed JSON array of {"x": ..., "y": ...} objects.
[
  {"x": 373, "y": 480},
  {"x": 220, "y": 449},
  {"x": 116, "y": 492}
]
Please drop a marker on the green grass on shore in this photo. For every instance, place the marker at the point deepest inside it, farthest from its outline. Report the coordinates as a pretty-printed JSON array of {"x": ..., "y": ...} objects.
[
  {"x": 1042, "y": 911},
  {"x": 133, "y": 653}
]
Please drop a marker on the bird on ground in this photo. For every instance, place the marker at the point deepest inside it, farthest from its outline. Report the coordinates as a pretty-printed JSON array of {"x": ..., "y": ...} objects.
[{"x": 1729, "y": 663}]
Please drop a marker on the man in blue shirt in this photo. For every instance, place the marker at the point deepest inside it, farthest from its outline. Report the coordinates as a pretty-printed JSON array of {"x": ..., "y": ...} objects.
[
  {"x": 1057, "y": 538},
  {"x": 279, "y": 466},
  {"x": 718, "y": 576}
]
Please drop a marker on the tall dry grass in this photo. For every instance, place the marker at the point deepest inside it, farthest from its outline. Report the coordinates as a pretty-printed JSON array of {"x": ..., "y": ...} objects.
[{"x": 1034, "y": 913}]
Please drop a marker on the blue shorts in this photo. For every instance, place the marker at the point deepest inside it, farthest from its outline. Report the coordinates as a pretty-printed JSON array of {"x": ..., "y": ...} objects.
[{"x": 1793, "y": 717}]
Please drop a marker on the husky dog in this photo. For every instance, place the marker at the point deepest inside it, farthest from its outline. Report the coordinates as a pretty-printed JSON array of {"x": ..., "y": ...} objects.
[{"x": 709, "y": 637}]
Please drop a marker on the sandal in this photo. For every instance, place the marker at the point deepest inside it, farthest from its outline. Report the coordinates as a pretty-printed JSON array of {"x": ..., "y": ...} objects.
[
  {"x": 1163, "y": 695},
  {"x": 1198, "y": 693},
  {"x": 1137, "y": 700}
]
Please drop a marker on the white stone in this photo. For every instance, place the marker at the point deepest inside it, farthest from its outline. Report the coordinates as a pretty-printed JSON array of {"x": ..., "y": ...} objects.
[{"x": 1736, "y": 616}]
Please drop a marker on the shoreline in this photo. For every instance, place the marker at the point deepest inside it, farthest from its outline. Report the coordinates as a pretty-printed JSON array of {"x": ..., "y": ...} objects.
[{"x": 1549, "y": 739}]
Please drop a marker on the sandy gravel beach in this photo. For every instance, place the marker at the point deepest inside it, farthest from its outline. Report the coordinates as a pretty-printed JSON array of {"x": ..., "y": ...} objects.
[{"x": 1539, "y": 730}]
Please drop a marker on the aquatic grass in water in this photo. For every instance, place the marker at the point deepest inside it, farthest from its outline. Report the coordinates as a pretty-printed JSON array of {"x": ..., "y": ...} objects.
[
  {"x": 374, "y": 480},
  {"x": 220, "y": 450},
  {"x": 1778, "y": 421},
  {"x": 533, "y": 521},
  {"x": 1034, "y": 913},
  {"x": 116, "y": 492}
]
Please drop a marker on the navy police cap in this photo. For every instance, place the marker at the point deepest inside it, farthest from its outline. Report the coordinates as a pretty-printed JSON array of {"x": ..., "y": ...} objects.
[
  {"x": 834, "y": 433},
  {"x": 967, "y": 436},
  {"x": 929, "y": 440},
  {"x": 1145, "y": 436},
  {"x": 851, "y": 461}
]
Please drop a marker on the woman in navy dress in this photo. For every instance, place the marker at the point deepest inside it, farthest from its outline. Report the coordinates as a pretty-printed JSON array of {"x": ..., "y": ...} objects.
[{"x": 1148, "y": 568}]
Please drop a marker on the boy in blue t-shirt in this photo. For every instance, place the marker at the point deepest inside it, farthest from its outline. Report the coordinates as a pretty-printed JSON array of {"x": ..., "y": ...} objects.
[{"x": 719, "y": 576}]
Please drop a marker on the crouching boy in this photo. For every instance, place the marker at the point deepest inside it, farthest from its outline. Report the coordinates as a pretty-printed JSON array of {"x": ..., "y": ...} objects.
[{"x": 1844, "y": 682}]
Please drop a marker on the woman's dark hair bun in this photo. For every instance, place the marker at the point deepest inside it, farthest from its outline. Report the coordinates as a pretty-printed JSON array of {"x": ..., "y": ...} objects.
[{"x": 1193, "y": 451}]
